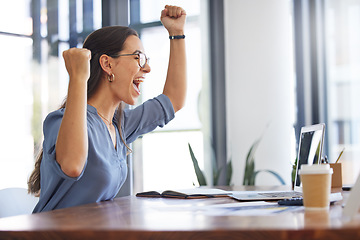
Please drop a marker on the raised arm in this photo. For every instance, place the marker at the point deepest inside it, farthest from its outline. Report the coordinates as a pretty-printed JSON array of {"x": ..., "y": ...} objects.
[
  {"x": 173, "y": 19},
  {"x": 72, "y": 140}
]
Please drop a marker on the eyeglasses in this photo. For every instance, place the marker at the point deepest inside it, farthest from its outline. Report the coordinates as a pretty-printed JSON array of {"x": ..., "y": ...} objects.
[{"x": 142, "y": 59}]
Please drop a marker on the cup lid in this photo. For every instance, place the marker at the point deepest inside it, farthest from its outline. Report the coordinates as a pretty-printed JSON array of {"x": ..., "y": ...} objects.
[{"x": 315, "y": 169}]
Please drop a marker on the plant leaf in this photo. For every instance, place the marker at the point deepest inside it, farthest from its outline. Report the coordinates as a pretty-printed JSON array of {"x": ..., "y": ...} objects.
[
  {"x": 199, "y": 174},
  {"x": 251, "y": 153},
  {"x": 228, "y": 173},
  {"x": 250, "y": 164},
  {"x": 249, "y": 172},
  {"x": 272, "y": 172},
  {"x": 293, "y": 172},
  {"x": 216, "y": 175}
]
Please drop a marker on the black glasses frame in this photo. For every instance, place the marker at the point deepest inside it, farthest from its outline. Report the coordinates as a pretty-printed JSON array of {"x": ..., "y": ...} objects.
[{"x": 142, "y": 60}]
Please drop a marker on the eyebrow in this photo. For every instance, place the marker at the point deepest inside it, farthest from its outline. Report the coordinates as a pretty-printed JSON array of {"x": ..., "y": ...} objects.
[{"x": 137, "y": 51}]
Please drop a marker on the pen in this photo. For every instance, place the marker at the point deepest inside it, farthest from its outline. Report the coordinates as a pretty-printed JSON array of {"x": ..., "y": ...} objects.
[{"x": 340, "y": 155}]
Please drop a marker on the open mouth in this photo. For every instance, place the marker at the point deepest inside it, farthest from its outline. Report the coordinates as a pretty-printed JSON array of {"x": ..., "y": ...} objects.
[{"x": 136, "y": 84}]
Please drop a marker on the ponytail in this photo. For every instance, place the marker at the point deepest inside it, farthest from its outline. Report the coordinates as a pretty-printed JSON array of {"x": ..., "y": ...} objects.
[{"x": 34, "y": 179}]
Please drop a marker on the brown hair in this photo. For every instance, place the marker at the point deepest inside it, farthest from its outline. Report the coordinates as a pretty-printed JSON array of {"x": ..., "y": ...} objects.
[{"x": 106, "y": 40}]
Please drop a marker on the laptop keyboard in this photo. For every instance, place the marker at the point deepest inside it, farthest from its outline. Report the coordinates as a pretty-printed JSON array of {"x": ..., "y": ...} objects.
[{"x": 282, "y": 194}]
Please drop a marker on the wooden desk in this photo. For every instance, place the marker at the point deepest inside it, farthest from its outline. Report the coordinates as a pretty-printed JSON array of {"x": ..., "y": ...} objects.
[{"x": 158, "y": 218}]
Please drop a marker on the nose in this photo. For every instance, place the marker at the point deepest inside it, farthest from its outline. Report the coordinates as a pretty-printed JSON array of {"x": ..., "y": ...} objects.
[{"x": 146, "y": 68}]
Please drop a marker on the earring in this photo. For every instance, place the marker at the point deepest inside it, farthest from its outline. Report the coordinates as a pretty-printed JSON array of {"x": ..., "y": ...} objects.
[{"x": 111, "y": 77}]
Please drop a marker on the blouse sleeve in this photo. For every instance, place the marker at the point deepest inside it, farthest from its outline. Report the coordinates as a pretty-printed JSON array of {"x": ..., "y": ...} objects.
[
  {"x": 156, "y": 112},
  {"x": 51, "y": 129}
]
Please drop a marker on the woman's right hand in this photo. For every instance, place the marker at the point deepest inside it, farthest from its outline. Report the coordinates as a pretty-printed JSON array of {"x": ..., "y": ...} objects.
[
  {"x": 77, "y": 62},
  {"x": 72, "y": 139}
]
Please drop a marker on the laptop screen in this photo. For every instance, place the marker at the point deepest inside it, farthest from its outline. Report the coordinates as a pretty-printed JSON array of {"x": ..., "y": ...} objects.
[{"x": 310, "y": 147}]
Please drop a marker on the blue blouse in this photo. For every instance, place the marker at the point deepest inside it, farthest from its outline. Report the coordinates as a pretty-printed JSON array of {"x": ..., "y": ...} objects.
[{"x": 105, "y": 169}]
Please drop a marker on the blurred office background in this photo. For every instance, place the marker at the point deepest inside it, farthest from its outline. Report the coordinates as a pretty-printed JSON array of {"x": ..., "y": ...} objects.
[{"x": 255, "y": 68}]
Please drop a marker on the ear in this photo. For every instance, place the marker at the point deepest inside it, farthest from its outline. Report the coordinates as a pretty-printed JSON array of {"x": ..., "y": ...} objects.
[{"x": 106, "y": 63}]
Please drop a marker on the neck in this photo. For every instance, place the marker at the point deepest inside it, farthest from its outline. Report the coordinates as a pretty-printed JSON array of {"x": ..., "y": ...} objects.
[
  {"x": 105, "y": 109},
  {"x": 104, "y": 103}
]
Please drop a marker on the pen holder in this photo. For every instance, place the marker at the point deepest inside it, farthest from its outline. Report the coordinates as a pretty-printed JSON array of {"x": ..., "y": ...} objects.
[{"x": 336, "y": 181}]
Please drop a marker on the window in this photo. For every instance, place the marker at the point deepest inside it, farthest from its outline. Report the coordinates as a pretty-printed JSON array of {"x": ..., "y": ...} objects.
[
  {"x": 328, "y": 59},
  {"x": 34, "y": 81},
  {"x": 16, "y": 93},
  {"x": 342, "y": 37}
]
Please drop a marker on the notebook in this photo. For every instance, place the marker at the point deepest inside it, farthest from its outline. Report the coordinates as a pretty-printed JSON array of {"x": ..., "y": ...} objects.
[
  {"x": 310, "y": 150},
  {"x": 352, "y": 205}
]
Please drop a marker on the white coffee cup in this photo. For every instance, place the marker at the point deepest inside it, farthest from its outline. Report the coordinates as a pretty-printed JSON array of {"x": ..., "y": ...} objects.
[{"x": 316, "y": 186}]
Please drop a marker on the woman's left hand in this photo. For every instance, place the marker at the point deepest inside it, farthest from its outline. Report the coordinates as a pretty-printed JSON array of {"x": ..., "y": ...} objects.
[{"x": 173, "y": 19}]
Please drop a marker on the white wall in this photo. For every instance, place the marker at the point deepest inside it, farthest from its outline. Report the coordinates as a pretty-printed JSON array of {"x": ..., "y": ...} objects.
[{"x": 260, "y": 86}]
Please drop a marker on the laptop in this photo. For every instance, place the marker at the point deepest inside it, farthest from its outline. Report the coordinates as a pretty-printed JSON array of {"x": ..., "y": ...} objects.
[{"x": 310, "y": 150}]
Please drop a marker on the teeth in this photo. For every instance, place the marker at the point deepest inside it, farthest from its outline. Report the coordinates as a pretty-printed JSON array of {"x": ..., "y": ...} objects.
[{"x": 138, "y": 81}]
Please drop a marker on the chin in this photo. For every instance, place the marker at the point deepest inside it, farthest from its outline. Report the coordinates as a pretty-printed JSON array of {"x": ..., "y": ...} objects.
[{"x": 132, "y": 101}]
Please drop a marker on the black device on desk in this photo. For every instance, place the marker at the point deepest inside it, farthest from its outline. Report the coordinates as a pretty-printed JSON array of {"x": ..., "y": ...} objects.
[
  {"x": 347, "y": 187},
  {"x": 291, "y": 201},
  {"x": 298, "y": 201}
]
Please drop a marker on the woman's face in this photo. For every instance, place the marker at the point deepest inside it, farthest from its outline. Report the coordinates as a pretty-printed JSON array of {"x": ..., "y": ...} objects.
[{"x": 128, "y": 74}]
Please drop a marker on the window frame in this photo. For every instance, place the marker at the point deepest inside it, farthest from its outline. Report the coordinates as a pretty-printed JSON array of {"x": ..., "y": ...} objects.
[{"x": 310, "y": 65}]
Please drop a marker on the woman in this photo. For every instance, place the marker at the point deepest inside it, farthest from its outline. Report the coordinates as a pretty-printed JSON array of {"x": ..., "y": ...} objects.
[{"x": 85, "y": 141}]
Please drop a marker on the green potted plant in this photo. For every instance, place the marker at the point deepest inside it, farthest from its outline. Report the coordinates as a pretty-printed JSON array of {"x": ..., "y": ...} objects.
[
  {"x": 250, "y": 173},
  {"x": 216, "y": 171}
]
